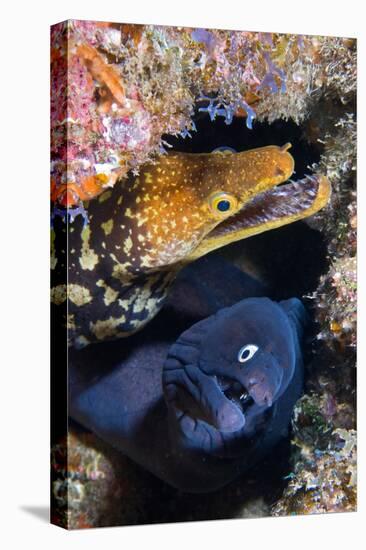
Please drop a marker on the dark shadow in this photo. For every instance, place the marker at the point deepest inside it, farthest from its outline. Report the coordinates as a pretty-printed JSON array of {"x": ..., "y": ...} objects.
[
  {"x": 40, "y": 512},
  {"x": 288, "y": 260}
]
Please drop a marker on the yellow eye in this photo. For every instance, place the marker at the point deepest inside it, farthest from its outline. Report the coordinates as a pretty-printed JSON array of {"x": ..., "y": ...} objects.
[{"x": 223, "y": 203}]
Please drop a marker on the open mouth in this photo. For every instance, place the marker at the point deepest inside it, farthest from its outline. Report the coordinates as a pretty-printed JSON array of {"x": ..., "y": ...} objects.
[
  {"x": 235, "y": 392},
  {"x": 280, "y": 205},
  {"x": 277, "y": 206}
]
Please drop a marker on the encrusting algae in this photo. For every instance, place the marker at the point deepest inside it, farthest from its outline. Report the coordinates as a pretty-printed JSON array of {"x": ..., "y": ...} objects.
[{"x": 130, "y": 87}]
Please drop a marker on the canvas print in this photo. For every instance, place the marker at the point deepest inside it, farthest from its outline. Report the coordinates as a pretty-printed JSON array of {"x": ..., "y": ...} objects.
[{"x": 203, "y": 274}]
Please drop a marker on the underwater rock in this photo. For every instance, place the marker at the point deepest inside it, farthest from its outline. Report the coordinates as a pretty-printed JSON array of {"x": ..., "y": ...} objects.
[
  {"x": 99, "y": 487},
  {"x": 323, "y": 481},
  {"x": 338, "y": 319},
  {"x": 94, "y": 485},
  {"x": 321, "y": 475},
  {"x": 131, "y": 84}
]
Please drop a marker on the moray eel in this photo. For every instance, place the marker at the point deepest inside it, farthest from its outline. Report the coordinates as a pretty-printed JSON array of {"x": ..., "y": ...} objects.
[
  {"x": 140, "y": 234},
  {"x": 200, "y": 409}
]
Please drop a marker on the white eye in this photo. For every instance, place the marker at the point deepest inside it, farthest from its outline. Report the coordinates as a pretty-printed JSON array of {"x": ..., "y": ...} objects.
[{"x": 247, "y": 352}]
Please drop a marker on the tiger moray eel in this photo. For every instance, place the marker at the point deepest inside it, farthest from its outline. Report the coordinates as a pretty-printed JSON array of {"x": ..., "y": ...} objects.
[
  {"x": 197, "y": 407},
  {"x": 145, "y": 230}
]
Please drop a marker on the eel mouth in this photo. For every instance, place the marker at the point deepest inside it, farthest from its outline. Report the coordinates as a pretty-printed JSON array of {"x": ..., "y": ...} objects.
[
  {"x": 215, "y": 414},
  {"x": 236, "y": 392},
  {"x": 283, "y": 204}
]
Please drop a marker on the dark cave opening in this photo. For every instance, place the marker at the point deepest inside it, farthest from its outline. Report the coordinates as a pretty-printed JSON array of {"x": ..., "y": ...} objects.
[{"x": 290, "y": 259}]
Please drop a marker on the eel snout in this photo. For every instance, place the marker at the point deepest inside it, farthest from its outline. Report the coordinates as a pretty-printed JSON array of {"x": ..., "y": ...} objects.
[
  {"x": 222, "y": 402},
  {"x": 257, "y": 388},
  {"x": 196, "y": 397},
  {"x": 280, "y": 205}
]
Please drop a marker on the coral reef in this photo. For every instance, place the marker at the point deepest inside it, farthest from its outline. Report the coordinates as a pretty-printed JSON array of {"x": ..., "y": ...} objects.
[
  {"x": 116, "y": 89},
  {"x": 324, "y": 470},
  {"x": 339, "y": 318},
  {"x": 323, "y": 480},
  {"x": 94, "y": 485}
]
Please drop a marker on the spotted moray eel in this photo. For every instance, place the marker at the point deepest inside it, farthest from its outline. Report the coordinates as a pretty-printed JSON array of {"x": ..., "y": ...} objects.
[{"x": 142, "y": 232}]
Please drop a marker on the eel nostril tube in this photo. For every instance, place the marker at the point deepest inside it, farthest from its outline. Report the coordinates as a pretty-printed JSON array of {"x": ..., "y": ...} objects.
[{"x": 286, "y": 147}]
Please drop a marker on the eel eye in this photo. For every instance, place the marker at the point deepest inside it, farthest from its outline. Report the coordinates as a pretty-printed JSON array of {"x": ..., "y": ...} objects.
[
  {"x": 247, "y": 352},
  {"x": 223, "y": 203}
]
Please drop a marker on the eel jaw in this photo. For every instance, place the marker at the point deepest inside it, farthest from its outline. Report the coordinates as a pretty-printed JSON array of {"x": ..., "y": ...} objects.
[
  {"x": 236, "y": 393},
  {"x": 273, "y": 208}
]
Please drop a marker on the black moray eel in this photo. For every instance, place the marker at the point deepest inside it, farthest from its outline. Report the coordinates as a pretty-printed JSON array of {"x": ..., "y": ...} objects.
[{"x": 196, "y": 408}]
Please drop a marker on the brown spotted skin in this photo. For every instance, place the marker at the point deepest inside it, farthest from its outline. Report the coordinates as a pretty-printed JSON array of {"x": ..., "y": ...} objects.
[
  {"x": 108, "y": 296},
  {"x": 145, "y": 229}
]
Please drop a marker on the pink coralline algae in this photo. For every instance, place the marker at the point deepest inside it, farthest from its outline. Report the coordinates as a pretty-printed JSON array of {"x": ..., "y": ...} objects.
[
  {"x": 118, "y": 88},
  {"x": 93, "y": 122}
]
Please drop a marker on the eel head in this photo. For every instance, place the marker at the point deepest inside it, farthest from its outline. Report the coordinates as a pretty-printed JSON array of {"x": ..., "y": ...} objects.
[
  {"x": 223, "y": 376},
  {"x": 195, "y": 203}
]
